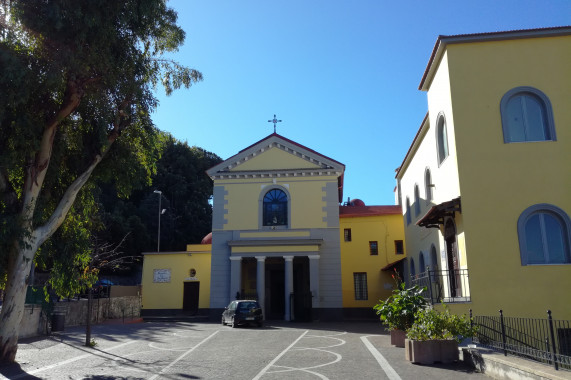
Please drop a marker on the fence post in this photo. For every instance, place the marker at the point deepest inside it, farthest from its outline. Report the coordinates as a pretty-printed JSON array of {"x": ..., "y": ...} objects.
[
  {"x": 471, "y": 326},
  {"x": 503, "y": 332},
  {"x": 430, "y": 285},
  {"x": 552, "y": 340}
]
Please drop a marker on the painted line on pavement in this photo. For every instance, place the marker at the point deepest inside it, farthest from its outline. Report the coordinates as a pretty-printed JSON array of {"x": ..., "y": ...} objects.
[
  {"x": 70, "y": 360},
  {"x": 183, "y": 355},
  {"x": 263, "y": 371},
  {"x": 391, "y": 373}
]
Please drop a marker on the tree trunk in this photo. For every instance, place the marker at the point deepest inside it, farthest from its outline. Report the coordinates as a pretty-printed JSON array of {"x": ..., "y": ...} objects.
[{"x": 14, "y": 301}]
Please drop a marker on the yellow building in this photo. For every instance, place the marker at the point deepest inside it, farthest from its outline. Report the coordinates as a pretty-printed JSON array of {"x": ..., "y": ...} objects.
[
  {"x": 275, "y": 231},
  {"x": 372, "y": 245},
  {"x": 177, "y": 281},
  {"x": 486, "y": 183}
]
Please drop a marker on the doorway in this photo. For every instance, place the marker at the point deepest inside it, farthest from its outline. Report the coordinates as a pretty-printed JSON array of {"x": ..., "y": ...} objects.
[
  {"x": 452, "y": 259},
  {"x": 275, "y": 288},
  {"x": 302, "y": 298},
  {"x": 190, "y": 297}
]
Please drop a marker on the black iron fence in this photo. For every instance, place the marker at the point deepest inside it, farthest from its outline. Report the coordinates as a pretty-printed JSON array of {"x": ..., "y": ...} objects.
[
  {"x": 448, "y": 286},
  {"x": 542, "y": 339}
]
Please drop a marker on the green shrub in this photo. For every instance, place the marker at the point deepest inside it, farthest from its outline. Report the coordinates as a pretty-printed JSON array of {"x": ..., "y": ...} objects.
[
  {"x": 431, "y": 324},
  {"x": 399, "y": 310}
]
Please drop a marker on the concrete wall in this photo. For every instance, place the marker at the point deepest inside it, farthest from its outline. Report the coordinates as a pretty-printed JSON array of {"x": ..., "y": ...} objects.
[
  {"x": 31, "y": 324},
  {"x": 103, "y": 309},
  {"x": 125, "y": 291},
  {"x": 34, "y": 321}
]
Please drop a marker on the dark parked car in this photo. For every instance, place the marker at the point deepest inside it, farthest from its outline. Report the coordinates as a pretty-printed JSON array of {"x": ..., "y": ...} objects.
[{"x": 243, "y": 312}]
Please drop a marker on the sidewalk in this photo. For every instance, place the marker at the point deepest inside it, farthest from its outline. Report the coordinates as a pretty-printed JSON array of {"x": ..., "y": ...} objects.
[{"x": 498, "y": 366}]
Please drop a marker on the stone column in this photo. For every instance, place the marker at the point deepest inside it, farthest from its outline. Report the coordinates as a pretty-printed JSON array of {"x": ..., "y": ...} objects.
[
  {"x": 235, "y": 276},
  {"x": 314, "y": 279},
  {"x": 261, "y": 281},
  {"x": 288, "y": 285}
]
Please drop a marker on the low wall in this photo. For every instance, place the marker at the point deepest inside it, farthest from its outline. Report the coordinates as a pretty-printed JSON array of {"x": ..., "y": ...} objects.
[
  {"x": 102, "y": 309},
  {"x": 32, "y": 324},
  {"x": 124, "y": 291},
  {"x": 75, "y": 311}
]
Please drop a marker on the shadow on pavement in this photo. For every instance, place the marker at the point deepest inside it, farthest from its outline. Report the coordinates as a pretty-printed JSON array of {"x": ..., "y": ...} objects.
[{"x": 14, "y": 371}]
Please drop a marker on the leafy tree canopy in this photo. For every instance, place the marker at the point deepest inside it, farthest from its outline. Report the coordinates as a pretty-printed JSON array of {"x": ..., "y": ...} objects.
[{"x": 77, "y": 80}]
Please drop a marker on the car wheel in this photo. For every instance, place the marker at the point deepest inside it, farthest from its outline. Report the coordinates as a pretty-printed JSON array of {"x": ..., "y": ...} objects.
[
  {"x": 223, "y": 322},
  {"x": 260, "y": 324},
  {"x": 233, "y": 323}
]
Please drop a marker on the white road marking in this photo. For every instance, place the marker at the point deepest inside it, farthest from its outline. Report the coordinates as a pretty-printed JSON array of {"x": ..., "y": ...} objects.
[
  {"x": 391, "y": 373},
  {"x": 341, "y": 341},
  {"x": 183, "y": 355},
  {"x": 338, "y": 358},
  {"x": 70, "y": 360},
  {"x": 152, "y": 345},
  {"x": 263, "y": 371}
]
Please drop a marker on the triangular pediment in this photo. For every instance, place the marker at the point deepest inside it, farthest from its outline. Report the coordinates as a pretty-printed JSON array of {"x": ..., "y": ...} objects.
[{"x": 276, "y": 154}]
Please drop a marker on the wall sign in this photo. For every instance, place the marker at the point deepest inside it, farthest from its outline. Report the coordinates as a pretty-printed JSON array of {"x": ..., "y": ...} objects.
[{"x": 161, "y": 275}]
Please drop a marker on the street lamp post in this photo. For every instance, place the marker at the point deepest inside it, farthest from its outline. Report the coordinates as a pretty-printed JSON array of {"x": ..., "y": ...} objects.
[{"x": 160, "y": 212}]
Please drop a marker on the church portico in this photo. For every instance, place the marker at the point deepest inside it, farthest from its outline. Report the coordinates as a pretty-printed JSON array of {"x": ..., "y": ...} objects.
[{"x": 287, "y": 287}]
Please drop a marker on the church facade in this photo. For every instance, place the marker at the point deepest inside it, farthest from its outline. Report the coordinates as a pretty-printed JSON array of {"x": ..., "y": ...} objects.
[{"x": 275, "y": 230}]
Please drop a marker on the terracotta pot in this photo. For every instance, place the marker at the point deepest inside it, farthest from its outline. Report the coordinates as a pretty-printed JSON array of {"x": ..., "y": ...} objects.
[{"x": 398, "y": 337}]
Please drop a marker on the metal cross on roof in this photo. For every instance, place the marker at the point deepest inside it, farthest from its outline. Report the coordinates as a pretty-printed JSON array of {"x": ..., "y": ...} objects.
[{"x": 275, "y": 121}]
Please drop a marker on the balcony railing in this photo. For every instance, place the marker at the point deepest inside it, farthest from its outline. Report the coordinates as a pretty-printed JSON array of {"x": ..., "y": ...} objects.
[{"x": 448, "y": 286}]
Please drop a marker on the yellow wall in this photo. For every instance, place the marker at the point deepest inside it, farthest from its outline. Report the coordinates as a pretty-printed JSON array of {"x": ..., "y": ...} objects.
[
  {"x": 274, "y": 159},
  {"x": 243, "y": 201},
  {"x": 170, "y": 295},
  {"x": 355, "y": 256},
  {"x": 499, "y": 181}
]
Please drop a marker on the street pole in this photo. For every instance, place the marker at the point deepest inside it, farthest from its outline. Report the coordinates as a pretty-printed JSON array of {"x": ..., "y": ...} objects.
[{"x": 159, "y": 230}]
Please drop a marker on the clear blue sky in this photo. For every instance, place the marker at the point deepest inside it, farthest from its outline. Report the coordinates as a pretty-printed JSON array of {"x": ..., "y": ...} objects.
[{"x": 342, "y": 75}]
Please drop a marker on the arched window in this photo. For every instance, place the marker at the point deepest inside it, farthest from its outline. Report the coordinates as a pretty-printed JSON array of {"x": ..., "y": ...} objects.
[
  {"x": 275, "y": 208},
  {"x": 407, "y": 211},
  {"x": 428, "y": 185},
  {"x": 526, "y": 116},
  {"x": 441, "y": 138},
  {"x": 421, "y": 265},
  {"x": 412, "y": 269},
  {"x": 544, "y": 233},
  {"x": 416, "y": 200}
]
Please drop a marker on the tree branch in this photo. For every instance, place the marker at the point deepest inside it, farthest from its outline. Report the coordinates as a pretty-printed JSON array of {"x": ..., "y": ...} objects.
[{"x": 42, "y": 233}]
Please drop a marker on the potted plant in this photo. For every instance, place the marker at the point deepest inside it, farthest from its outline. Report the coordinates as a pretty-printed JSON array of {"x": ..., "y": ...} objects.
[
  {"x": 399, "y": 310},
  {"x": 435, "y": 335}
]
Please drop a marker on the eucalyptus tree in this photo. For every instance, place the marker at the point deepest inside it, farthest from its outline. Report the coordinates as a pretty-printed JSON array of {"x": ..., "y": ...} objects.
[{"x": 77, "y": 80}]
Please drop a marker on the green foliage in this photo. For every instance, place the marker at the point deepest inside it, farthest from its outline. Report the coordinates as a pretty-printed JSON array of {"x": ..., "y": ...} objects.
[
  {"x": 399, "y": 310},
  {"x": 186, "y": 191},
  {"x": 109, "y": 55},
  {"x": 431, "y": 324}
]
